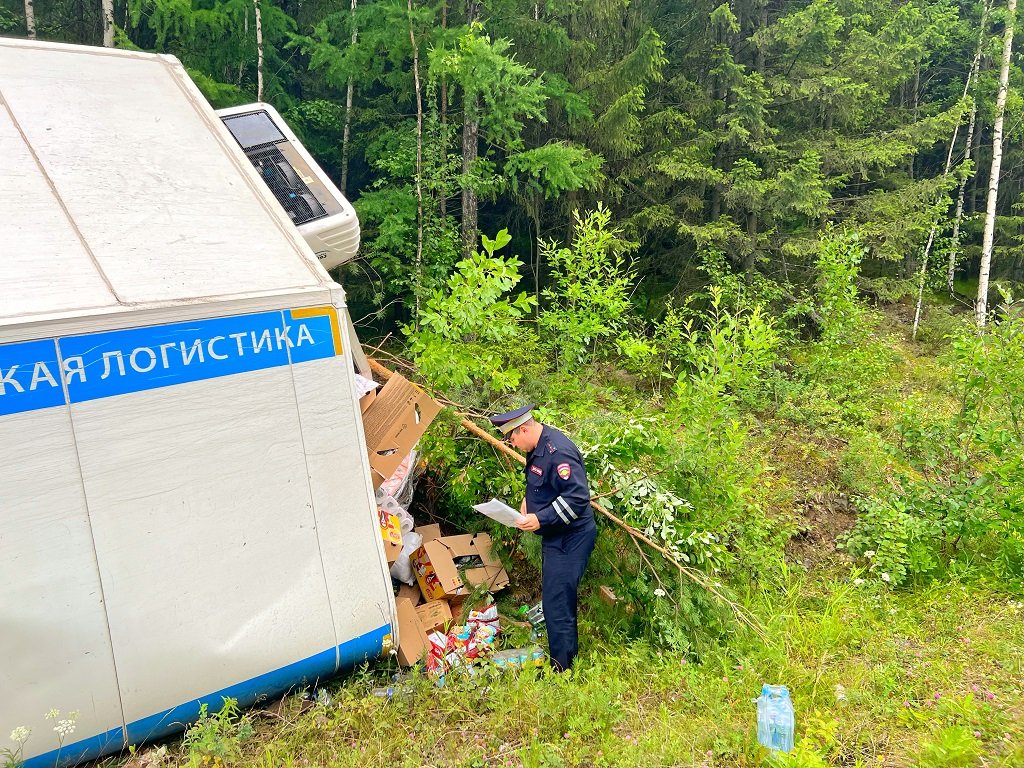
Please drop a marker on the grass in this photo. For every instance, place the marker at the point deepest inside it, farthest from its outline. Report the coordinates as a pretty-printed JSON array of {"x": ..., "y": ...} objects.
[{"x": 928, "y": 678}]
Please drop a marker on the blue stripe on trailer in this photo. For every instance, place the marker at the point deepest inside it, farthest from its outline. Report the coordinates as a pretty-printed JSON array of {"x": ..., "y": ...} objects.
[
  {"x": 119, "y": 362},
  {"x": 81, "y": 751},
  {"x": 252, "y": 691}
]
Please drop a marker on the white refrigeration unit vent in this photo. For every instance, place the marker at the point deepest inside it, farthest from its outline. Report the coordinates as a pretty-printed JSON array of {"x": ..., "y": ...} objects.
[{"x": 325, "y": 219}]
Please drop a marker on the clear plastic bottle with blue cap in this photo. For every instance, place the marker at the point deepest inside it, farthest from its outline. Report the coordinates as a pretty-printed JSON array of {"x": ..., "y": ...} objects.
[{"x": 776, "y": 722}]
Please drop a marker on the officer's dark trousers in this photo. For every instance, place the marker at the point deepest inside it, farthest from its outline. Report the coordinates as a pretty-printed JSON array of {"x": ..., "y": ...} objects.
[{"x": 564, "y": 561}]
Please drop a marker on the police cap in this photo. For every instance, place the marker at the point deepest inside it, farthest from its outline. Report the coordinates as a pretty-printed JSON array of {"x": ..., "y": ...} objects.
[{"x": 506, "y": 422}]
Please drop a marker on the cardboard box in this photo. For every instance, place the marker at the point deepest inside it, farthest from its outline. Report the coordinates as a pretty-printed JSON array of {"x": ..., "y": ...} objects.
[
  {"x": 393, "y": 423},
  {"x": 434, "y": 615},
  {"x": 441, "y": 564},
  {"x": 366, "y": 387},
  {"x": 390, "y": 528},
  {"x": 412, "y": 640},
  {"x": 366, "y": 400},
  {"x": 410, "y": 593},
  {"x": 429, "y": 532},
  {"x": 391, "y": 533}
]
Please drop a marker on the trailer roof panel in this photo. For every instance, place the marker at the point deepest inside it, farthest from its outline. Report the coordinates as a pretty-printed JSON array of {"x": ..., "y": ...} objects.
[{"x": 119, "y": 151}]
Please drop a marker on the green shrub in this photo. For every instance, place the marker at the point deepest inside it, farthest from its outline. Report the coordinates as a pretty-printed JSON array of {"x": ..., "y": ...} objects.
[
  {"x": 471, "y": 333},
  {"x": 588, "y": 305},
  {"x": 216, "y": 738}
]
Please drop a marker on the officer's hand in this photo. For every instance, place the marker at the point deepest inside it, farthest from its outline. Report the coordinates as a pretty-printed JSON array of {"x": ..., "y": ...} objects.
[{"x": 531, "y": 523}]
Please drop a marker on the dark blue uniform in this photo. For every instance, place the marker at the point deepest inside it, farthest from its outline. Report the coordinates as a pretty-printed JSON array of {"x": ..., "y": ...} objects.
[{"x": 558, "y": 494}]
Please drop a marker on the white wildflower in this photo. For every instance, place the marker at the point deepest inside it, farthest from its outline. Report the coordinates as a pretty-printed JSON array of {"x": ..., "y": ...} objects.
[
  {"x": 659, "y": 592},
  {"x": 64, "y": 728},
  {"x": 870, "y": 553},
  {"x": 53, "y": 714},
  {"x": 858, "y": 582},
  {"x": 886, "y": 578},
  {"x": 20, "y": 734}
]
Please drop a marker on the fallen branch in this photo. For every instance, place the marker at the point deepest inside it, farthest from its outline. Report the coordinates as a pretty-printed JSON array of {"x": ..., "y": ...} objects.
[{"x": 693, "y": 574}]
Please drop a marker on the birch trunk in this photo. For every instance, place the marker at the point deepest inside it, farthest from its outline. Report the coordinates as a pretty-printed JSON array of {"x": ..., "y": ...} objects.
[
  {"x": 347, "y": 132},
  {"x": 108, "y": 23},
  {"x": 470, "y": 141},
  {"x": 443, "y": 191},
  {"x": 968, "y": 148},
  {"x": 259, "y": 51},
  {"x": 30, "y": 19},
  {"x": 981, "y": 306},
  {"x": 470, "y": 138},
  {"x": 945, "y": 172},
  {"x": 418, "y": 271}
]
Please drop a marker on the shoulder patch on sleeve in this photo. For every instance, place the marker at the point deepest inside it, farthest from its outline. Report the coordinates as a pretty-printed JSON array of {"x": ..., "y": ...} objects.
[{"x": 564, "y": 470}]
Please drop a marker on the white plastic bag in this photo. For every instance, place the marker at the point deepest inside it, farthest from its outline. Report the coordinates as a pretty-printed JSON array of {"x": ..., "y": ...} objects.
[{"x": 401, "y": 569}]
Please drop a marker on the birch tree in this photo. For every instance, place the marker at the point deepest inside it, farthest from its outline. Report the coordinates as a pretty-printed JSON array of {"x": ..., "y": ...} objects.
[
  {"x": 259, "y": 51},
  {"x": 981, "y": 306},
  {"x": 349, "y": 90},
  {"x": 108, "y": 23},
  {"x": 418, "y": 264},
  {"x": 971, "y": 76},
  {"x": 968, "y": 145},
  {"x": 30, "y": 20},
  {"x": 470, "y": 149}
]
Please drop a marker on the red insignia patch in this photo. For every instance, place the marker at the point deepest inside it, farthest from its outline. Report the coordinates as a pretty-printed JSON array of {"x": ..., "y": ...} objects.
[
  {"x": 564, "y": 471},
  {"x": 536, "y": 470}
]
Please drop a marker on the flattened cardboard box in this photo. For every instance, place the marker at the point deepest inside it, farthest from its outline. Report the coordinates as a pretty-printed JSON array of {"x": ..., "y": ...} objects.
[
  {"x": 440, "y": 564},
  {"x": 393, "y": 423},
  {"x": 412, "y": 640}
]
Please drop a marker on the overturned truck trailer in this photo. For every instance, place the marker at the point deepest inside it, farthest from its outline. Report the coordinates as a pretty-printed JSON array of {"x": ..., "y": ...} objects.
[{"x": 186, "y": 510}]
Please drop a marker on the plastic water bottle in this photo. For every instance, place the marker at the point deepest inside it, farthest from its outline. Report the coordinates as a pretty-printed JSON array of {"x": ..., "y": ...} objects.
[{"x": 775, "y": 720}]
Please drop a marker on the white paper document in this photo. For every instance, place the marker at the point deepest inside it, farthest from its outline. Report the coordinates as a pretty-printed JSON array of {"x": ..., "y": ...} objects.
[{"x": 500, "y": 512}]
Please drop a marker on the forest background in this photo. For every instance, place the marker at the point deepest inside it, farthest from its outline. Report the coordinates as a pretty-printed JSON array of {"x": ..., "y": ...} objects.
[{"x": 734, "y": 250}]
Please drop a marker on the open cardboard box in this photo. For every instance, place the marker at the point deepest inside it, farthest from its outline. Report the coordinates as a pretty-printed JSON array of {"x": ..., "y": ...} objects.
[
  {"x": 393, "y": 423},
  {"x": 440, "y": 564}
]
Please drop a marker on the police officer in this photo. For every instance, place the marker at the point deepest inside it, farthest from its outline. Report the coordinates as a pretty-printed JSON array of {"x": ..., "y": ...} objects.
[{"x": 557, "y": 506}]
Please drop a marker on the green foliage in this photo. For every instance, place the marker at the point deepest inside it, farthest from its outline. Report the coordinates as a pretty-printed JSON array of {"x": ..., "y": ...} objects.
[
  {"x": 729, "y": 352},
  {"x": 589, "y": 300},
  {"x": 958, "y": 492},
  {"x": 510, "y": 92},
  {"x": 217, "y": 738},
  {"x": 815, "y": 750},
  {"x": 838, "y": 266},
  {"x": 954, "y": 746},
  {"x": 553, "y": 169},
  {"x": 10, "y": 22},
  {"x": 471, "y": 332}
]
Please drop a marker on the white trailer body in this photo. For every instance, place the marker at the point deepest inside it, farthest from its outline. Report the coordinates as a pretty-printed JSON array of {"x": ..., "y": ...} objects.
[{"x": 186, "y": 511}]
